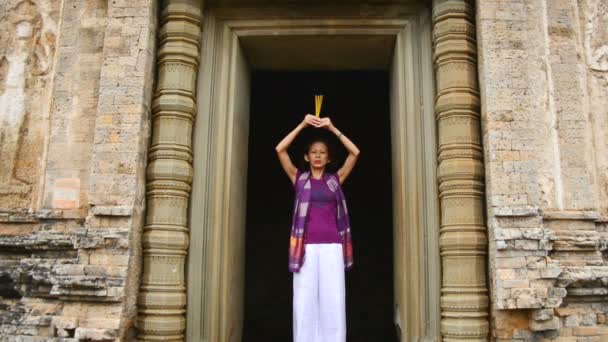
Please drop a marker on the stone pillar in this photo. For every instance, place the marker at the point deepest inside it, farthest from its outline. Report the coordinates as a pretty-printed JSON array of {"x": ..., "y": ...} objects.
[
  {"x": 162, "y": 298},
  {"x": 462, "y": 241}
]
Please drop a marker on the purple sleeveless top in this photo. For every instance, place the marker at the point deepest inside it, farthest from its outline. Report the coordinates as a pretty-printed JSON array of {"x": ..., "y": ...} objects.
[
  {"x": 321, "y": 224},
  {"x": 303, "y": 189}
]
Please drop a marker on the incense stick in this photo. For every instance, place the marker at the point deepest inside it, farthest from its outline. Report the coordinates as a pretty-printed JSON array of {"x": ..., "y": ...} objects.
[{"x": 318, "y": 102}]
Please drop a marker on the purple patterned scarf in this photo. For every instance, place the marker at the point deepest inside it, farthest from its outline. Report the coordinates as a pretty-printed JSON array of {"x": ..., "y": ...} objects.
[{"x": 301, "y": 202}]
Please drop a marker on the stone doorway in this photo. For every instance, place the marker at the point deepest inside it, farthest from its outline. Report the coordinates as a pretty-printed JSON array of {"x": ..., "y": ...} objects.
[
  {"x": 232, "y": 49},
  {"x": 196, "y": 204}
]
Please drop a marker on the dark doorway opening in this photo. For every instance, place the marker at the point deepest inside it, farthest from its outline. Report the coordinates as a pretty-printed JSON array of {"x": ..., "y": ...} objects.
[{"x": 358, "y": 104}]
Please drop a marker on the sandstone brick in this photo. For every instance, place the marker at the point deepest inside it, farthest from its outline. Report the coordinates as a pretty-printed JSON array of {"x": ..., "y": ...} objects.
[
  {"x": 546, "y": 283},
  {"x": 70, "y": 270},
  {"x": 95, "y": 334},
  {"x": 589, "y": 319},
  {"x": 106, "y": 271},
  {"x": 503, "y": 335},
  {"x": 557, "y": 292},
  {"x": 533, "y": 233},
  {"x": 565, "y": 332},
  {"x": 109, "y": 259},
  {"x": 542, "y": 315},
  {"x": 586, "y": 331},
  {"x": 100, "y": 323},
  {"x": 513, "y": 262},
  {"x": 526, "y": 244},
  {"x": 522, "y": 334},
  {"x": 536, "y": 263},
  {"x": 512, "y": 283},
  {"x": 550, "y": 324},
  {"x": 532, "y": 292},
  {"x": 502, "y": 293},
  {"x": 505, "y": 274},
  {"x": 529, "y": 302},
  {"x": 550, "y": 272},
  {"x": 552, "y": 302},
  {"x": 572, "y": 321}
]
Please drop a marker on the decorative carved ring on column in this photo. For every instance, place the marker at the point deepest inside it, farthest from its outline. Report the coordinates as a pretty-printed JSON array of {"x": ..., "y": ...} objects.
[
  {"x": 463, "y": 241},
  {"x": 162, "y": 298}
]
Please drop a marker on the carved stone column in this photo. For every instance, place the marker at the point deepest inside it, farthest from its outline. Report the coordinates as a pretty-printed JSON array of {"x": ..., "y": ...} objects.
[
  {"x": 463, "y": 242},
  {"x": 162, "y": 298}
]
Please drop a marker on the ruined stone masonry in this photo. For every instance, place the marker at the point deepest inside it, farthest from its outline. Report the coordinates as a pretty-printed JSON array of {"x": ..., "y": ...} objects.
[
  {"x": 74, "y": 103},
  {"x": 544, "y": 92}
]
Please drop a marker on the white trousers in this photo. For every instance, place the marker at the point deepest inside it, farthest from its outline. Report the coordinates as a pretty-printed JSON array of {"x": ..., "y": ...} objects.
[{"x": 319, "y": 310}]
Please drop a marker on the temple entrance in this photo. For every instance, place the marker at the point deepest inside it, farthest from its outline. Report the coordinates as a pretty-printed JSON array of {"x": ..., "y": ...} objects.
[
  {"x": 237, "y": 243},
  {"x": 358, "y": 103}
]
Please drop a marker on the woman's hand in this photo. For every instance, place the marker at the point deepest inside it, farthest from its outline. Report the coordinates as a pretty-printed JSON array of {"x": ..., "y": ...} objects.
[
  {"x": 311, "y": 120},
  {"x": 326, "y": 123}
]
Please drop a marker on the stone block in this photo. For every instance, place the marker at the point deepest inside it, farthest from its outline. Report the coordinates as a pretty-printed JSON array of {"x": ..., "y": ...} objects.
[
  {"x": 514, "y": 283},
  {"x": 553, "y": 302},
  {"x": 526, "y": 245},
  {"x": 542, "y": 314},
  {"x": 529, "y": 302},
  {"x": 100, "y": 210},
  {"x": 535, "y": 263},
  {"x": 586, "y": 331},
  {"x": 557, "y": 292},
  {"x": 522, "y": 334},
  {"x": 95, "y": 334},
  {"x": 589, "y": 319},
  {"x": 106, "y": 271},
  {"x": 551, "y": 324},
  {"x": 572, "y": 321},
  {"x": 533, "y": 233},
  {"x": 532, "y": 292},
  {"x": 511, "y": 262},
  {"x": 76, "y": 270},
  {"x": 505, "y": 274},
  {"x": 109, "y": 259},
  {"x": 550, "y": 272},
  {"x": 563, "y": 312}
]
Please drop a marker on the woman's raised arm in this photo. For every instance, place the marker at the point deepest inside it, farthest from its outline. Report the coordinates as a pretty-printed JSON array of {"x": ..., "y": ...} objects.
[
  {"x": 353, "y": 151},
  {"x": 282, "y": 147}
]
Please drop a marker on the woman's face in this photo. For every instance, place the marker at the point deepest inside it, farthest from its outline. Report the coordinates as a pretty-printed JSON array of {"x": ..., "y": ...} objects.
[{"x": 318, "y": 156}]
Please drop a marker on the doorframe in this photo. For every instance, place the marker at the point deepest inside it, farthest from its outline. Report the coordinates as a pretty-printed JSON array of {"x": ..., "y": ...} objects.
[
  {"x": 416, "y": 221},
  {"x": 161, "y": 302}
]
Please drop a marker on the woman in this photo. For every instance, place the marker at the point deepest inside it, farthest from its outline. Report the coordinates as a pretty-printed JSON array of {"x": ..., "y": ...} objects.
[{"x": 321, "y": 232}]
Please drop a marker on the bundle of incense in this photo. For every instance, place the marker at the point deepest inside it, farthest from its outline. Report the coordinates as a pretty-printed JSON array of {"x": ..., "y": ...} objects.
[{"x": 318, "y": 102}]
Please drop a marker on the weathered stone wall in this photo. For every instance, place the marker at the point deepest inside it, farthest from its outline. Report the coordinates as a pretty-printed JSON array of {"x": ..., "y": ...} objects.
[
  {"x": 75, "y": 91},
  {"x": 543, "y": 71}
]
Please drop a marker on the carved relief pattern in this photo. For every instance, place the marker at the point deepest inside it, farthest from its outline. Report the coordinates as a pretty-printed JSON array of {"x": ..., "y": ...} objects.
[
  {"x": 463, "y": 241},
  {"x": 596, "y": 33},
  {"x": 162, "y": 298},
  {"x": 594, "y": 21},
  {"x": 27, "y": 47}
]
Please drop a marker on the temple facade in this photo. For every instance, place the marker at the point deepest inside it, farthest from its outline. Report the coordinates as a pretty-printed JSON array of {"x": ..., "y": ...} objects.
[{"x": 123, "y": 158}]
